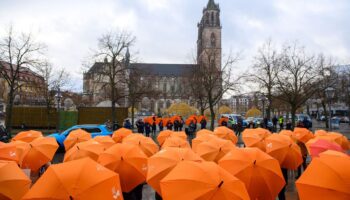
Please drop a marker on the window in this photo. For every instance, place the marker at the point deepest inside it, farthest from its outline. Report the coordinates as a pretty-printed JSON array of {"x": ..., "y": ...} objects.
[
  {"x": 212, "y": 40},
  {"x": 92, "y": 130}
]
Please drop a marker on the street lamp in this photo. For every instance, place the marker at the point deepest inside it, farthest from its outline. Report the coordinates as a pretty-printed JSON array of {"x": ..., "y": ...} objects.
[
  {"x": 58, "y": 98},
  {"x": 263, "y": 99},
  {"x": 330, "y": 94}
]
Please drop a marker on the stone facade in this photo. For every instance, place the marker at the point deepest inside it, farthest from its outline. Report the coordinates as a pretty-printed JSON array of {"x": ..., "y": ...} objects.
[{"x": 170, "y": 80}]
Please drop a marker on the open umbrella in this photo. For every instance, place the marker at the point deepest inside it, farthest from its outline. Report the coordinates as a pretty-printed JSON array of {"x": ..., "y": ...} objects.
[
  {"x": 106, "y": 141},
  {"x": 121, "y": 133},
  {"x": 78, "y": 179},
  {"x": 76, "y": 136},
  {"x": 320, "y": 132},
  {"x": 317, "y": 146},
  {"x": 205, "y": 180},
  {"x": 222, "y": 119},
  {"x": 204, "y": 131},
  {"x": 147, "y": 145},
  {"x": 40, "y": 152},
  {"x": 288, "y": 133},
  {"x": 163, "y": 135},
  {"x": 27, "y": 136},
  {"x": 176, "y": 142},
  {"x": 21, "y": 149},
  {"x": 160, "y": 164},
  {"x": 260, "y": 172},
  {"x": 8, "y": 151},
  {"x": 327, "y": 177},
  {"x": 302, "y": 134},
  {"x": 91, "y": 149},
  {"x": 128, "y": 161},
  {"x": 225, "y": 133},
  {"x": 180, "y": 134},
  {"x": 13, "y": 182},
  {"x": 286, "y": 151},
  {"x": 201, "y": 138},
  {"x": 190, "y": 120},
  {"x": 339, "y": 139},
  {"x": 174, "y": 118},
  {"x": 254, "y": 138},
  {"x": 201, "y": 117},
  {"x": 214, "y": 149}
]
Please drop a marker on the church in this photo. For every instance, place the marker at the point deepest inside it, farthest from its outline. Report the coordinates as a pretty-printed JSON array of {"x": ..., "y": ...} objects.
[{"x": 169, "y": 79}]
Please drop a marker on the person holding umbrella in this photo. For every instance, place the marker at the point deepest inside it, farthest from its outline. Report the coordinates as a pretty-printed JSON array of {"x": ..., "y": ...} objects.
[
  {"x": 181, "y": 123},
  {"x": 147, "y": 129},
  {"x": 154, "y": 125},
  {"x": 140, "y": 126},
  {"x": 203, "y": 123},
  {"x": 169, "y": 125},
  {"x": 161, "y": 125}
]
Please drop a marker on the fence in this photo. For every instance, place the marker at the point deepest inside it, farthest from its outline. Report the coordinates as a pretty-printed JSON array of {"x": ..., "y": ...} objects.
[{"x": 37, "y": 117}]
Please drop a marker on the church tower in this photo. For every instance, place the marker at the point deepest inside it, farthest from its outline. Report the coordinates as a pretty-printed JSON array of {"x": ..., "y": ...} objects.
[{"x": 209, "y": 35}]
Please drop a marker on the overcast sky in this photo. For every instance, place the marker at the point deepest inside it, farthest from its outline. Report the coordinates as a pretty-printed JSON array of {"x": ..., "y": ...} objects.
[{"x": 166, "y": 30}]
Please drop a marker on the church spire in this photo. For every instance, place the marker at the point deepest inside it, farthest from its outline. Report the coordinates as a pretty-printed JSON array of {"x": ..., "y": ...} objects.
[{"x": 212, "y": 5}]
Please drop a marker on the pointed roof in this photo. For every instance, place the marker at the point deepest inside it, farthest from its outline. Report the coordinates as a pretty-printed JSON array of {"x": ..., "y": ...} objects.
[{"x": 212, "y": 5}]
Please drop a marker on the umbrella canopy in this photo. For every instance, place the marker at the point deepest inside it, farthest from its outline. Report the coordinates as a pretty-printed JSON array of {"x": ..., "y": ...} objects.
[
  {"x": 260, "y": 172},
  {"x": 21, "y": 149},
  {"x": 176, "y": 142},
  {"x": 158, "y": 120},
  {"x": 166, "y": 120},
  {"x": 225, "y": 133},
  {"x": 204, "y": 131},
  {"x": 286, "y": 151},
  {"x": 339, "y": 139},
  {"x": 27, "y": 136},
  {"x": 76, "y": 136},
  {"x": 320, "y": 132},
  {"x": 8, "y": 151},
  {"x": 91, "y": 149},
  {"x": 180, "y": 134},
  {"x": 106, "y": 141},
  {"x": 78, "y": 179},
  {"x": 205, "y": 180},
  {"x": 39, "y": 152},
  {"x": 214, "y": 149},
  {"x": 13, "y": 182},
  {"x": 254, "y": 138},
  {"x": 174, "y": 118},
  {"x": 128, "y": 161},
  {"x": 201, "y": 117},
  {"x": 160, "y": 164},
  {"x": 163, "y": 135},
  {"x": 327, "y": 177},
  {"x": 317, "y": 146},
  {"x": 147, "y": 145},
  {"x": 120, "y": 134},
  {"x": 302, "y": 134},
  {"x": 190, "y": 120},
  {"x": 288, "y": 133},
  {"x": 201, "y": 138},
  {"x": 222, "y": 119}
]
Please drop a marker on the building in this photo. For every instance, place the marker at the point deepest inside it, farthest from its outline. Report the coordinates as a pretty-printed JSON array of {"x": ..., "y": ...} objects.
[
  {"x": 170, "y": 80},
  {"x": 30, "y": 88}
]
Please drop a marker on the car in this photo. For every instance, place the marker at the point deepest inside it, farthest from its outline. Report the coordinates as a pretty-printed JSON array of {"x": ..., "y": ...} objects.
[
  {"x": 259, "y": 121},
  {"x": 236, "y": 118},
  {"x": 93, "y": 129},
  {"x": 335, "y": 122},
  {"x": 344, "y": 119},
  {"x": 300, "y": 118}
]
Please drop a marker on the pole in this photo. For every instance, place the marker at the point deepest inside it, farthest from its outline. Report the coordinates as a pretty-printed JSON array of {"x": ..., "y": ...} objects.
[
  {"x": 263, "y": 101},
  {"x": 330, "y": 115}
]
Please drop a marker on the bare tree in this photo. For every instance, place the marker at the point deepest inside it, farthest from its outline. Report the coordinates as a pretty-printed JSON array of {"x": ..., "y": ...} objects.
[
  {"x": 215, "y": 80},
  {"x": 263, "y": 72},
  {"x": 112, "y": 49},
  {"x": 16, "y": 54}
]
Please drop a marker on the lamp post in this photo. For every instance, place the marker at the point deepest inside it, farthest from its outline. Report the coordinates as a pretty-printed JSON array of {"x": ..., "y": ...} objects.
[
  {"x": 263, "y": 99},
  {"x": 330, "y": 94},
  {"x": 58, "y": 97}
]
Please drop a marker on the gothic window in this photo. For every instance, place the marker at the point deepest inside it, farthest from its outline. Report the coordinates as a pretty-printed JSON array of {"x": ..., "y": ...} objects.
[
  {"x": 212, "y": 18},
  {"x": 164, "y": 87},
  {"x": 217, "y": 19},
  {"x": 212, "y": 40},
  {"x": 207, "y": 18}
]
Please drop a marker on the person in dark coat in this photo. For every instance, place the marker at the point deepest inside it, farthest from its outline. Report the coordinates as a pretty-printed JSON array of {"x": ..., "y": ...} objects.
[
  {"x": 192, "y": 129},
  {"x": 161, "y": 125},
  {"x": 203, "y": 123},
  {"x": 127, "y": 124},
  {"x": 274, "y": 122},
  {"x": 169, "y": 125},
  {"x": 176, "y": 125},
  {"x": 154, "y": 126},
  {"x": 181, "y": 124},
  {"x": 281, "y": 194},
  {"x": 140, "y": 126},
  {"x": 306, "y": 123},
  {"x": 147, "y": 129}
]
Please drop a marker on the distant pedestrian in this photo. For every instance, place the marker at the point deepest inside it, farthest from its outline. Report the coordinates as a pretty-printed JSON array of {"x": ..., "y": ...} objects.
[
  {"x": 306, "y": 123},
  {"x": 203, "y": 123},
  {"x": 282, "y": 193},
  {"x": 140, "y": 126},
  {"x": 154, "y": 126},
  {"x": 274, "y": 122},
  {"x": 192, "y": 129},
  {"x": 127, "y": 124},
  {"x": 161, "y": 126},
  {"x": 169, "y": 125},
  {"x": 289, "y": 125},
  {"x": 147, "y": 129},
  {"x": 266, "y": 123},
  {"x": 281, "y": 121},
  {"x": 176, "y": 125},
  {"x": 181, "y": 123}
]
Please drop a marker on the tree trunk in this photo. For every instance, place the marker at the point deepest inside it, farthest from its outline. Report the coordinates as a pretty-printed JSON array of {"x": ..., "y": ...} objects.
[
  {"x": 325, "y": 114},
  {"x": 212, "y": 113},
  {"x": 9, "y": 109},
  {"x": 113, "y": 104},
  {"x": 132, "y": 114},
  {"x": 293, "y": 111}
]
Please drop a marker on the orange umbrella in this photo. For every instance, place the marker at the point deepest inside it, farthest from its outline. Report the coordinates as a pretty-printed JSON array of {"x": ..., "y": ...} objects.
[
  {"x": 78, "y": 179},
  {"x": 147, "y": 145},
  {"x": 160, "y": 164},
  {"x": 214, "y": 149},
  {"x": 302, "y": 134},
  {"x": 176, "y": 142},
  {"x": 174, "y": 118},
  {"x": 286, "y": 151},
  {"x": 27, "y": 136},
  {"x": 254, "y": 138},
  {"x": 158, "y": 120},
  {"x": 205, "y": 180},
  {"x": 40, "y": 152},
  {"x": 163, "y": 135},
  {"x": 327, "y": 177},
  {"x": 8, "y": 151},
  {"x": 201, "y": 138},
  {"x": 320, "y": 133},
  {"x": 89, "y": 148},
  {"x": 120, "y": 134},
  {"x": 128, "y": 161},
  {"x": 190, "y": 120},
  {"x": 76, "y": 136},
  {"x": 288, "y": 133},
  {"x": 225, "y": 133},
  {"x": 316, "y": 146},
  {"x": 201, "y": 117},
  {"x": 204, "y": 131},
  {"x": 166, "y": 120},
  {"x": 21, "y": 149},
  {"x": 339, "y": 139},
  {"x": 260, "y": 172},
  {"x": 180, "y": 134},
  {"x": 195, "y": 117},
  {"x": 13, "y": 182},
  {"x": 106, "y": 141},
  {"x": 222, "y": 119}
]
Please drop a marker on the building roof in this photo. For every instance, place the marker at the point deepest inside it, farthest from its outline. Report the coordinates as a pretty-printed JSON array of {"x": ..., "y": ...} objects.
[
  {"x": 212, "y": 5},
  {"x": 165, "y": 69}
]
